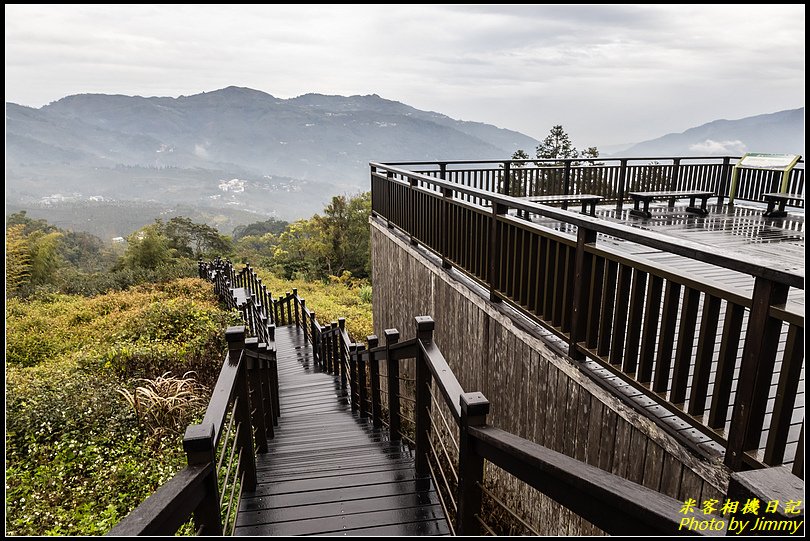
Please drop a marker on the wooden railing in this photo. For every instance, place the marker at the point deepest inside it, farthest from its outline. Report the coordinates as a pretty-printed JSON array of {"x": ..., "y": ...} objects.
[
  {"x": 239, "y": 420},
  {"x": 654, "y": 327},
  {"x": 408, "y": 387},
  {"x": 422, "y": 402},
  {"x": 611, "y": 178},
  {"x": 448, "y": 432}
]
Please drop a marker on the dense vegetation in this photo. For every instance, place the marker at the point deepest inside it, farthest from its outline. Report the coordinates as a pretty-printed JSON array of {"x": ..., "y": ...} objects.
[
  {"x": 101, "y": 338},
  {"x": 77, "y": 456},
  {"x": 330, "y": 244}
]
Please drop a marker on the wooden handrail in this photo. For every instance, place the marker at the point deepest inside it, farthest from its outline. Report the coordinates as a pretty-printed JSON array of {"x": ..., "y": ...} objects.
[
  {"x": 608, "y": 306},
  {"x": 563, "y": 160},
  {"x": 169, "y": 507},
  {"x": 755, "y": 266},
  {"x": 607, "y": 501}
]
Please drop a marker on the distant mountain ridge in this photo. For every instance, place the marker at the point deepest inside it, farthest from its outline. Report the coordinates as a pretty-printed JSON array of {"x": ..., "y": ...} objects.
[
  {"x": 236, "y": 152},
  {"x": 288, "y": 156},
  {"x": 311, "y": 137},
  {"x": 781, "y": 133}
]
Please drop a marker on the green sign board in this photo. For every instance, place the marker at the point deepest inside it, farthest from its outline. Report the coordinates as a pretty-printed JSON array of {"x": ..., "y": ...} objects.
[{"x": 770, "y": 162}]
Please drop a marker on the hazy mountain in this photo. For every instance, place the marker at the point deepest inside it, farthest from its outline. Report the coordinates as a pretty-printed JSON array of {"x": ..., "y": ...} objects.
[
  {"x": 233, "y": 148},
  {"x": 236, "y": 152},
  {"x": 780, "y": 133},
  {"x": 328, "y": 138}
]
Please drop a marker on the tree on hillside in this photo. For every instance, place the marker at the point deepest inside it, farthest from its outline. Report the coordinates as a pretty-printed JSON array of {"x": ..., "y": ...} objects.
[
  {"x": 45, "y": 258},
  {"x": 302, "y": 249},
  {"x": 195, "y": 240},
  {"x": 258, "y": 229},
  {"x": 556, "y": 145},
  {"x": 148, "y": 247},
  {"x": 29, "y": 224},
  {"x": 520, "y": 154},
  {"x": 358, "y": 253},
  {"x": 85, "y": 251},
  {"x": 18, "y": 260},
  {"x": 590, "y": 152},
  {"x": 33, "y": 253},
  {"x": 328, "y": 244}
]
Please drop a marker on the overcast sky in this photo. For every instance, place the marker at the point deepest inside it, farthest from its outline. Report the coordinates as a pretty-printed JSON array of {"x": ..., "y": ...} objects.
[{"x": 609, "y": 74}]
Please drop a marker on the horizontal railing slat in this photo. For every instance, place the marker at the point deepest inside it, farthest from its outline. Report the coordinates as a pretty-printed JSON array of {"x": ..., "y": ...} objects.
[
  {"x": 610, "y": 502},
  {"x": 169, "y": 507}
]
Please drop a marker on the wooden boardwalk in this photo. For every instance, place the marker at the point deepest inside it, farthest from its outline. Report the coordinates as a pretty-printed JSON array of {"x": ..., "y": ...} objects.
[{"x": 329, "y": 472}]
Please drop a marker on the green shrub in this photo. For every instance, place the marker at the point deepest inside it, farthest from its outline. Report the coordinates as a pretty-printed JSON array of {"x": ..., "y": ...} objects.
[
  {"x": 77, "y": 460},
  {"x": 332, "y": 299}
]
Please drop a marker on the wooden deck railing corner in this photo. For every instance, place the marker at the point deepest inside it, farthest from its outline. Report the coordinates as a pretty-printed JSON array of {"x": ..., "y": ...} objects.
[{"x": 618, "y": 309}]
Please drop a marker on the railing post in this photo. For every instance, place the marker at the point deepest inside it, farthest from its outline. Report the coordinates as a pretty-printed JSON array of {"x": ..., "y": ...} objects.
[
  {"x": 394, "y": 420},
  {"x": 326, "y": 349},
  {"x": 424, "y": 334},
  {"x": 254, "y": 310},
  {"x": 507, "y": 178},
  {"x": 374, "y": 375},
  {"x": 566, "y": 181},
  {"x": 583, "y": 271},
  {"x": 314, "y": 339},
  {"x": 304, "y": 319},
  {"x": 374, "y": 195},
  {"x": 412, "y": 182},
  {"x": 362, "y": 390},
  {"x": 445, "y": 217},
  {"x": 495, "y": 251},
  {"x": 295, "y": 305},
  {"x": 389, "y": 175},
  {"x": 756, "y": 371},
  {"x": 474, "y": 410},
  {"x": 676, "y": 173},
  {"x": 275, "y": 313},
  {"x": 269, "y": 374},
  {"x": 288, "y": 301},
  {"x": 334, "y": 344},
  {"x": 342, "y": 352},
  {"x": 620, "y": 187},
  {"x": 256, "y": 406},
  {"x": 268, "y": 307},
  {"x": 353, "y": 390},
  {"x": 725, "y": 177},
  {"x": 242, "y": 411},
  {"x": 198, "y": 443}
]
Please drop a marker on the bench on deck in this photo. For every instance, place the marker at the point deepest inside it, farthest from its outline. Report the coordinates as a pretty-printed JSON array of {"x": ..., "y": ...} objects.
[
  {"x": 588, "y": 201},
  {"x": 781, "y": 198},
  {"x": 671, "y": 196}
]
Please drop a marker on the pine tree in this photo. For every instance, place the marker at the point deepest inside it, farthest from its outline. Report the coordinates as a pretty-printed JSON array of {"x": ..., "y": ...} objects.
[{"x": 556, "y": 145}]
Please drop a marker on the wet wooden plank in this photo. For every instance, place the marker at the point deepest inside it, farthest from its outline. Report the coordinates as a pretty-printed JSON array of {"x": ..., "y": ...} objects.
[
  {"x": 328, "y": 471},
  {"x": 346, "y": 523}
]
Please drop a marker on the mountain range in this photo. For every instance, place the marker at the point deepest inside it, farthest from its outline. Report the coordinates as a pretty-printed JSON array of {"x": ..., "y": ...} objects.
[
  {"x": 237, "y": 154},
  {"x": 779, "y": 133},
  {"x": 233, "y": 148}
]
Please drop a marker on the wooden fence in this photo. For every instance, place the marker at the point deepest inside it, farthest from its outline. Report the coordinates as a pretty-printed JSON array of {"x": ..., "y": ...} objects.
[
  {"x": 654, "y": 327},
  {"x": 611, "y": 178}
]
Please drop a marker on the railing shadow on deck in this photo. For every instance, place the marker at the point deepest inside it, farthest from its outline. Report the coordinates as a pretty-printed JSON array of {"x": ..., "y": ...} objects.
[{"x": 243, "y": 411}]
